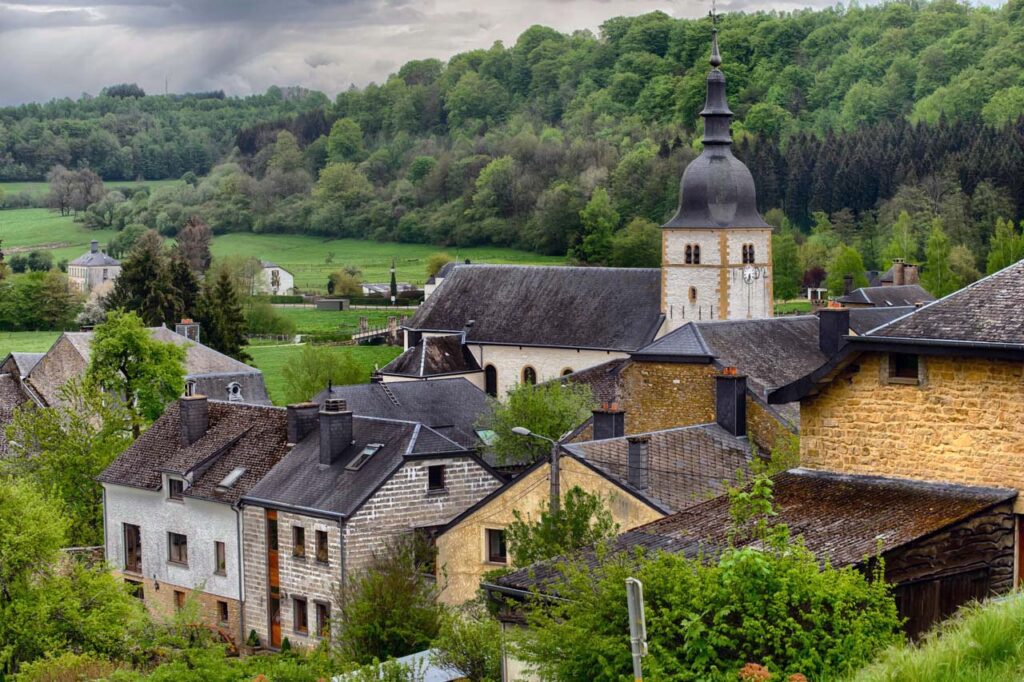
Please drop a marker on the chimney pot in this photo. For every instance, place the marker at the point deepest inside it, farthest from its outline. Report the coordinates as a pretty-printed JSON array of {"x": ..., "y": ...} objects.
[
  {"x": 638, "y": 473},
  {"x": 94, "y": 246},
  {"x": 910, "y": 274},
  {"x": 194, "y": 415},
  {"x": 731, "y": 403},
  {"x": 833, "y": 325}
]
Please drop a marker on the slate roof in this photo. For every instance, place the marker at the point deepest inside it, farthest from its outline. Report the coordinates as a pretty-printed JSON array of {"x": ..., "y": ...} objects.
[
  {"x": 682, "y": 343},
  {"x": 239, "y": 435},
  {"x": 452, "y": 407},
  {"x": 888, "y": 296},
  {"x": 863, "y": 320},
  {"x": 985, "y": 313},
  {"x": 95, "y": 259},
  {"x": 841, "y": 518},
  {"x": 26, "y": 361},
  {"x": 687, "y": 465},
  {"x": 602, "y": 379},
  {"x": 573, "y": 307},
  {"x": 299, "y": 481},
  {"x": 433, "y": 356}
]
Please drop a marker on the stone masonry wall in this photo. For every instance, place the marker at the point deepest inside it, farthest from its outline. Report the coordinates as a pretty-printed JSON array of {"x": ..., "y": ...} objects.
[
  {"x": 254, "y": 560},
  {"x": 961, "y": 425},
  {"x": 61, "y": 363},
  {"x": 403, "y": 504},
  {"x": 305, "y": 576},
  {"x": 162, "y": 604}
]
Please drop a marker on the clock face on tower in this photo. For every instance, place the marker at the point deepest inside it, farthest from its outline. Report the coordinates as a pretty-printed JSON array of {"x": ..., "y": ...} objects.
[{"x": 749, "y": 274}]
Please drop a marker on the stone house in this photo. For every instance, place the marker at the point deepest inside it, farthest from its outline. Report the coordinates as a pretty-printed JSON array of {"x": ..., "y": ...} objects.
[
  {"x": 171, "y": 516},
  {"x": 934, "y": 395},
  {"x": 94, "y": 271},
  {"x": 523, "y": 325},
  {"x": 642, "y": 478},
  {"x": 350, "y": 486},
  {"x": 274, "y": 280}
]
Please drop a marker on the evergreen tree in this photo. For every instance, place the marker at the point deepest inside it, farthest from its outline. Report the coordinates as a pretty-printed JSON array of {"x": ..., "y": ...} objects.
[
  {"x": 394, "y": 283},
  {"x": 144, "y": 285},
  {"x": 599, "y": 222},
  {"x": 186, "y": 288},
  {"x": 785, "y": 266},
  {"x": 938, "y": 277},
  {"x": 1006, "y": 247},
  {"x": 223, "y": 322}
]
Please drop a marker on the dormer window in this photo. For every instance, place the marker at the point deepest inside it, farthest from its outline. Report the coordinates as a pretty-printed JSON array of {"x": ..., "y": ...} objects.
[
  {"x": 235, "y": 392},
  {"x": 364, "y": 456}
]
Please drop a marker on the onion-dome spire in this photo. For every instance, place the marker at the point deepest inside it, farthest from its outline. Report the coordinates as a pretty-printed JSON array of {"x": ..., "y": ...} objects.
[{"x": 717, "y": 190}]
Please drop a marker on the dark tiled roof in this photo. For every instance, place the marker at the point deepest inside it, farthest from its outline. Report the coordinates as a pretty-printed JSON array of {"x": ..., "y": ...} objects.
[
  {"x": 602, "y": 379},
  {"x": 452, "y": 407},
  {"x": 684, "y": 342},
  {"x": 686, "y": 465},
  {"x": 93, "y": 259},
  {"x": 841, "y": 518},
  {"x": 239, "y": 435},
  {"x": 888, "y": 296},
  {"x": 606, "y": 308},
  {"x": 863, "y": 320},
  {"x": 434, "y": 356},
  {"x": 300, "y": 481},
  {"x": 986, "y": 312}
]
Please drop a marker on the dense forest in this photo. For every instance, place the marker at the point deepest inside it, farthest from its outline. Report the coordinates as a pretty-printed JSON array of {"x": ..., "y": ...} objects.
[{"x": 884, "y": 130}]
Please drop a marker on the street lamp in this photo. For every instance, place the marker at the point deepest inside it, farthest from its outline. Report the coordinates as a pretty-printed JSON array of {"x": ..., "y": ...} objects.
[{"x": 555, "y": 494}]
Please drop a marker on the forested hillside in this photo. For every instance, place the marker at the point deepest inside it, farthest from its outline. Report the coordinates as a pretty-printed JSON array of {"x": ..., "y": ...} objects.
[{"x": 892, "y": 129}]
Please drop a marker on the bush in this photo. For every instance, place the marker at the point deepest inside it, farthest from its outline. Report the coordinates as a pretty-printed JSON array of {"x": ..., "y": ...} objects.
[
  {"x": 67, "y": 667},
  {"x": 470, "y": 642},
  {"x": 261, "y": 318},
  {"x": 769, "y": 602},
  {"x": 285, "y": 299}
]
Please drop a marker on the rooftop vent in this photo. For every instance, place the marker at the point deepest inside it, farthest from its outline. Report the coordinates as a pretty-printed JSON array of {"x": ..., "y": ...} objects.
[{"x": 231, "y": 479}]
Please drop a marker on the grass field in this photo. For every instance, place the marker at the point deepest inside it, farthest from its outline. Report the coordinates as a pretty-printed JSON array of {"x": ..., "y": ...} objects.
[
  {"x": 38, "y": 189},
  {"x": 271, "y": 360},
  {"x": 313, "y": 321},
  {"x": 26, "y": 342},
  {"x": 792, "y": 307},
  {"x": 38, "y": 227}
]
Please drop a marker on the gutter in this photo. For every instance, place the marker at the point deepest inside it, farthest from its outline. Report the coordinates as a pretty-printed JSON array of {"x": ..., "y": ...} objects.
[
  {"x": 280, "y": 506},
  {"x": 519, "y": 593},
  {"x": 241, "y": 574}
]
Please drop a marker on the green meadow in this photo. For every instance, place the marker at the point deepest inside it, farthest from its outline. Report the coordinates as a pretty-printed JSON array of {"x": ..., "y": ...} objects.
[
  {"x": 38, "y": 189},
  {"x": 26, "y": 342},
  {"x": 308, "y": 320}
]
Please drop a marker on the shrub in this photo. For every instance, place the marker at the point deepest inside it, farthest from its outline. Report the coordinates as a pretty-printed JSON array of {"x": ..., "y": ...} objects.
[
  {"x": 470, "y": 642},
  {"x": 261, "y": 318},
  {"x": 67, "y": 667}
]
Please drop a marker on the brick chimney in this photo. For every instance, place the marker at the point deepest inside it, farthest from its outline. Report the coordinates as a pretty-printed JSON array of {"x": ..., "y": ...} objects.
[
  {"x": 910, "y": 274},
  {"x": 194, "y": 416},
  {"x": 609, "y": 422},
  {"x": 335, "y": 430},
  {"x": 833, "y": 325},
  {"x": 897, "y": 272},
  {"x": 731, "y": 401},
  {"x": 638, "y": 473},
  {"x": 302, "y": 419}
]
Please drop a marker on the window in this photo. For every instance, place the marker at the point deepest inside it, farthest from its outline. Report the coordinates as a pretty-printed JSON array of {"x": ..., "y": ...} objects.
[
  {"x": 298, "y": 541},
  {"x": 696, "y": 254},
  {"x": 435, "y": 478},
  {"x": 693, "y": 294},
  {"x": 179, "y": 600},
  {"x": 321, "y": 546},
  {"x": 323, "y": 619},
  {"x": 301, "y": 615},
  {"x": 222, "y": 612},
  {"x": 220, "y": 560},
  {"x": 689, "y": 254},
  {"x": 491, "y": 381},
  {"x": 272, "y": 531},
  {"x": 496, "y": 550},
  {"x": 175, "y": 488},
  {"x": 105, "y": 275},
  {"x": 363, "y": 457},
  {"x": 177, "y": 548},
  {"x": 529, "y": 376},
  {"x": 567, "y": 371},
  {"x": 132, "y": 548},
  {"x": 904, "y": 368},
  {"x": 136, "y": 588},
  {"x": 748, "y": 253},
  {"x": 235, "y": 392}
]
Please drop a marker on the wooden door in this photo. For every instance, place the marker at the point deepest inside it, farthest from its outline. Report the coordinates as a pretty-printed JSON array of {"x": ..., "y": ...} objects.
[{"x": 273, "y": 580}]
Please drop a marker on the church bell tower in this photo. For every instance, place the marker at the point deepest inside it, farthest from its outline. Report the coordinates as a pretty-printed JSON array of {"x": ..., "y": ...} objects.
[{"x": 716, "y": 250}]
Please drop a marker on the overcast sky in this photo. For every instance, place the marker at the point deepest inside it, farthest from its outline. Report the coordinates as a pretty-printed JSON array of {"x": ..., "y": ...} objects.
[{"x": 58, "y": 48}]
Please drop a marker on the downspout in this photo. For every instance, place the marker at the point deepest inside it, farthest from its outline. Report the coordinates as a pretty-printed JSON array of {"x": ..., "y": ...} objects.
[
  {"x": 241, "y": 580},
  {"x": 106, "y": 535},
  {"x": 341, "y": 554}
]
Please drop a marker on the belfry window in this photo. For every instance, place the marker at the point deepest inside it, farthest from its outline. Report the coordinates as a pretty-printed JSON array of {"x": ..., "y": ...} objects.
[
  {"x": 748, "y": 253},
  {"x": 696, "y": 254},
  {"x": 692, "y": 254},
  {"x": 689, "y": 254}
]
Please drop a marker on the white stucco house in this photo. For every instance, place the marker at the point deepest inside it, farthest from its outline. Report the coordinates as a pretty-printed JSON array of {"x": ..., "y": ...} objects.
[
  {"x": 93, "y": 271},
  {"x": 274, "y": 280}
]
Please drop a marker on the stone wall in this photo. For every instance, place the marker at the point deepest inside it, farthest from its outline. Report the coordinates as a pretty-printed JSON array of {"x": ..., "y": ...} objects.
[
  {"x": 254, "y": 559},
  {"x": 62, "y": 362},
  {"x": 306, "y": 577},
  {"x": 162, "y": 603},
  {"x": 962, "y": 424},
  {"x": 461, "y": 551}
]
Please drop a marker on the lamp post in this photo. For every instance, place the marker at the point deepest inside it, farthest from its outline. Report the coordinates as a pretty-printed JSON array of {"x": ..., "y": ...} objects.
[{"x": 555, "y": 494}]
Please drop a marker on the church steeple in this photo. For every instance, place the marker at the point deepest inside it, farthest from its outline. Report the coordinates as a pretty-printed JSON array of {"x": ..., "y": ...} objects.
[{"x": 716, "y": 114}]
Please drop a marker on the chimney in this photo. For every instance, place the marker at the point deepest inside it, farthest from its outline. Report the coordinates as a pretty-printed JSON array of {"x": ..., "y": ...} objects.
[
  {"x": 335, "y": 430},
  {"x": 302, "y": 419},
  {"x": 897, "y": 272},
  {"x": 609, "y": 422},
  {"x": 833, "y": 325},
  {"x": 639, "y": 463},
  {"x": 194, "y": 415},
  {"x": 847, "y": 284},
  {"x": 731, "y": 401},
  {"x": 910, "y": 275},
  {"x": 94, "y": 246}
]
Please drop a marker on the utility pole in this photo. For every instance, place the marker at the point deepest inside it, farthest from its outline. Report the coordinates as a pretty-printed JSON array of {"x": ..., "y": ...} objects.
[
  {"x": 637, "y": 625},
  {"x": 556, "y": 493}
]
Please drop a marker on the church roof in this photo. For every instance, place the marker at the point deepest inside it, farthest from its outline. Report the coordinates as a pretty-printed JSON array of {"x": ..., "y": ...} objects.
[
  {"x": 717, "y": 189},
  {"x": 567, "y": 307}
]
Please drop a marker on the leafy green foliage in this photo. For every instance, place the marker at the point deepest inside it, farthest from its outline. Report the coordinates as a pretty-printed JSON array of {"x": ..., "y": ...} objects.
[
  {"x": 38, "y": 301},
  {"x": 599, "y": 220},
  {"x": 62, "y": 449},
  {"x": 315, "y": 368},
  {"x": 388, "y": 610},
  {"x": 638, "y": 245},
  {"x": 582, "y": 520},
  {"x": 145, "y": 285},
  {"x": 469, "y": 640},
  {"x": 773, "y": 604},
  {"x": 786, "y": 270},
  {"x": 846, "y": 261},
  {"x": 551, "y": 409},
  {"x": 1007, "y": 246},
  {"x": 938, "y": 277},
  {"x": 145, "y": 374}
]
